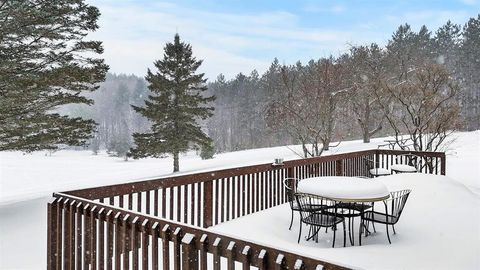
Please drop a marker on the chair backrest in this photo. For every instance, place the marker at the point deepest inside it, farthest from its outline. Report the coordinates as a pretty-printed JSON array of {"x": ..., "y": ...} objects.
[
  {"x": 369, "y": 163},
  {"x": 309, "y": 203},
  {"x": 290, "y": 185},
  {"x": 398, "y": 201},
  {"x": 409, "y": 159}
]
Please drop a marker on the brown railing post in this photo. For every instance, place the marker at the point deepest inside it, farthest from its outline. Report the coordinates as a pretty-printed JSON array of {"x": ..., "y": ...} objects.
[
  {"x": 51, "y": 235},
  {"x": 339, "y": 167},
  {"x": 443, "y": 164},
  {"x": 189, "y": 252},
  {"x": 208, "y": 204}
]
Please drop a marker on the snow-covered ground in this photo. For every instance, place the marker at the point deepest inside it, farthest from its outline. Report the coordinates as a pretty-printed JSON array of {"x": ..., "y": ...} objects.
[
  {"x": 26, "y": 182},
  {"x": 439, "y": 229}
]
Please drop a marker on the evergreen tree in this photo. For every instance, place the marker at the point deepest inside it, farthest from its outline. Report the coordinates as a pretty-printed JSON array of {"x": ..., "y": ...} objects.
[
  {"x": 45, "y": 63},
  {"x": 175, "y": 106}
]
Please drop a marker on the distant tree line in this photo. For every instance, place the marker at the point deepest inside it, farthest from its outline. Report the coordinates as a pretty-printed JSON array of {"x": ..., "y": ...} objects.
[{"x": 424, "y": 84}]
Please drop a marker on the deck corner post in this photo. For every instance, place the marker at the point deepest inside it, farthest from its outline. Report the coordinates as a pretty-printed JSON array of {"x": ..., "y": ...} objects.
[
  {"x": 443, "y": 164},
  {"x": 208, "y": 204},
  {"x": 51, "y": 236}
]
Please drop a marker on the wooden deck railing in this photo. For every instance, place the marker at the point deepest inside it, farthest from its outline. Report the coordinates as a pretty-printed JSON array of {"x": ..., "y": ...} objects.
[{"x": 94, "y": 228}]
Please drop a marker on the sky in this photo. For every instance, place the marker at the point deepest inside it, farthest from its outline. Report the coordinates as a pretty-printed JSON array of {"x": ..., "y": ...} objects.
[{"x": 234, "y": 36}]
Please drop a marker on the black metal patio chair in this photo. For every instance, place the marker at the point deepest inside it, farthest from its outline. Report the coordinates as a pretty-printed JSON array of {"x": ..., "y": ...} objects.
[
  {"x": 317, "y": 219},
  {"x": 374, "y": 170},
  {"x": 290, "y": 185},
  {"x": 407, "y": 163},
  {"x": 393, "y": 210}
]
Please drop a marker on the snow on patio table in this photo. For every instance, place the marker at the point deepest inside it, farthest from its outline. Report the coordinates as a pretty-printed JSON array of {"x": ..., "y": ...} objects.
[
  {"x": 348, "y": 188},
  {"x": 437, "y": 230}
]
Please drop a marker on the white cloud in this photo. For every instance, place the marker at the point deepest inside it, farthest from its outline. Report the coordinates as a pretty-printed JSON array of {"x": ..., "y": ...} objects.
[{"x": 134, "y": 36}]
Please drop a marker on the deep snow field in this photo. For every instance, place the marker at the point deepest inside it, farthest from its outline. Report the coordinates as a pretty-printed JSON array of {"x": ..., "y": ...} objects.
[{"x": 440, "y": 228}]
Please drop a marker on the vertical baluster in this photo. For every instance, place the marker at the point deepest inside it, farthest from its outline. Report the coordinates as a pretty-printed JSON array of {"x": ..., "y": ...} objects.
[
  {"x": 245, "y": 259},
  {"x": 117, "y": 220},
  {"x": 262, "y": 260},
  {"x": 148, "y": 202},
  {"x": 101, "y": 239},
  {"x": 164, "y": 202},
  {"x": 125, "y": 242},
  {"x": 221, "y": 207},
  {"x": 139, "y": 202},
  {"x": 109, "y": 234},
  {"x": 170, "y": 207},
  {"x": 248, "y": 190},
  {"x": 155, "y": 233},
  {"x": 203, "y": 252},
  {"x": 130, "y": 201},
  {"x": 176, "y": 248},
  {"x": 178, "y": 202},
  {"x": 185, "y": 204},
  {"x": 79, "y": 233},
  {"x": 216, "y": 254},
  {"x": 192, "y": 204},
  {"x": 145, "y": 244},
  {"x": 201, "y": 209},
  {"x": 217, "y": 200},
  {"x": 227, "y": 212},
  {"x": 134, "y": 242},
  {"x": 86, "y": 240},
  {"x": 231, "y": 256},
  {"x": 236, "y": 197},
  {"x": 299, "y": 265},
  {"x": 189, "y": 253},
  {"x": 241, "y": 195},
  {"x": 166, "y": 232},
  {"x": 280, "y": 262},
  {"x": 257, "y": 194}
]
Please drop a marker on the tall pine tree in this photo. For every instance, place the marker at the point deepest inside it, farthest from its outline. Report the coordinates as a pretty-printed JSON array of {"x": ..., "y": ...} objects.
[
  {"x": 45, "y": 63},
  {"x": 175, "y": 106}
]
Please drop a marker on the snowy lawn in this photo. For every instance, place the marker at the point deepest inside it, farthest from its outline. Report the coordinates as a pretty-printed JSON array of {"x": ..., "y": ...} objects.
[
  {"x": 439, "y": 229},
  {"x": 27, "y": 181}
]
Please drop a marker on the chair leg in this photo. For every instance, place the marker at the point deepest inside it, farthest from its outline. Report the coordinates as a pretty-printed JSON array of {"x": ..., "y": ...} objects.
[
  {"x": 360, "y": 230},
  {"x": 394, "y": 232},
  {"x": 388, "y": 234},
  {"x": 334, "y": 231},
  {"x": 350, "y": 230},
  {"x": 345, "y": 235},
  {"x": 291, "y": 222},
  {"x": 374, "y": 229},
  {"x": 300, "y": 233}
]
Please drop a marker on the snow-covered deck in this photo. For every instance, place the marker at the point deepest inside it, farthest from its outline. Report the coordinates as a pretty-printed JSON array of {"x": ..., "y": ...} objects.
[{"x": 439, "y": 229}]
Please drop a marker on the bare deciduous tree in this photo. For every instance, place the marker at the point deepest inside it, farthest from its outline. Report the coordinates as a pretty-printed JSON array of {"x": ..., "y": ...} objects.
[
  {"x": 306, "y": 106},
  {"x": 423, "y": 106},
  {"x": 366, "y": 72}
]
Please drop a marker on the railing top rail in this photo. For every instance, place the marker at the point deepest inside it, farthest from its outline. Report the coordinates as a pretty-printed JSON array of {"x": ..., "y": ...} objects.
[
  {"x": 147, "y": 221},
  {"x": 171, "y": 181},
  {"x": 419, "y": 153}
]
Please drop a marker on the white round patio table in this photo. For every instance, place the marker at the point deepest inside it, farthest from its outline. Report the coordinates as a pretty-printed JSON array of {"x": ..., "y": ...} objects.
[{"x": 345, "y": 189}]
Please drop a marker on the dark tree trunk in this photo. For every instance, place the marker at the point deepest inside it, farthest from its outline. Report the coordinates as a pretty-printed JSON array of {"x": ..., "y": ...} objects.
[
  {"x": 176, "y": 166},
  {"x": 366, "y": 136}
]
